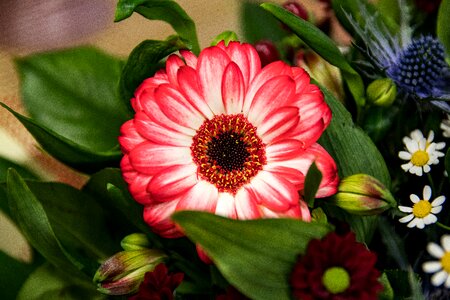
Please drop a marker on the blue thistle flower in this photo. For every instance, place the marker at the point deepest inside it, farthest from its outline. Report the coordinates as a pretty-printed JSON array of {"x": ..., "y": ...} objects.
[{"x": 417, "y": 66}]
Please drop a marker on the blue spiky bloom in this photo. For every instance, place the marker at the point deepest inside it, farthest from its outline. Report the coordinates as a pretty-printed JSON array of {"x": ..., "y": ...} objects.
[{"x": 420, "y": 69}]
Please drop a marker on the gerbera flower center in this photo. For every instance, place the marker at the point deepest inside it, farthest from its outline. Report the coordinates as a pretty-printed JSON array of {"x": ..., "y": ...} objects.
[
  {"x": 420, "y": 158},
  {"x": 336, "y": 280},
  {"x": 445, "y": 262},
  {"x": 228, "y": 152},
  {"x": 422, "y": 209}
]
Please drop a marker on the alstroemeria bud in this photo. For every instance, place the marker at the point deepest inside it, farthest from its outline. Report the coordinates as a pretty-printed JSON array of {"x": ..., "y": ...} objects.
[
  {"x": 381, "y": 92},
  {"x": 135, "y": 241},
  {"x": 362, "y": 194},
  {"x": 123, "y": 272},
  {"x": 297, "y": 9},
  {"x": 326, "y": 74}
]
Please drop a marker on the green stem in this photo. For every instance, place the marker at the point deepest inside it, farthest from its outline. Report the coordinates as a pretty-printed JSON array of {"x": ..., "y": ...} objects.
[
  {"x": 430, "y": 179},
  {"x": 443, "y": 226}
]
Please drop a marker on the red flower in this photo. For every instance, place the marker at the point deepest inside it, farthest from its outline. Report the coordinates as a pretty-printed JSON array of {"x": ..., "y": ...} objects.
[
  {"x": 158, "y": 285},
  {"x": 336, "y": 268},
  {"x": 218, "y": 133}
]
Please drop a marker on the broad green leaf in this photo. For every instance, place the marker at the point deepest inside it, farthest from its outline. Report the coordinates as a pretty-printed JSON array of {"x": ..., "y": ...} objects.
[
  {"x": 73, "y": 92},
  {"x": 255, "y": 256},
  {"x": 406, "y": 284},
  {"x": 226, "y": 36},
  {"x": 46, "y": 283},
  {"x": 67, "y": 151},
  {"x": 35, "y": 225},
  {"x": 164, "y": 10},
  {"x": 323, "y": 45},
  {"x": 12, "y": 275},
  {"x": 443, "y": 30},
  {"x": 354, "y": 152},
  {"x": 143, "y": 63},
  {"x": 312, "y": 183},
  {"x": 79, "y": 222},
  {"x": 388, "y": 292},
  {"x": 258, "y": 24}
]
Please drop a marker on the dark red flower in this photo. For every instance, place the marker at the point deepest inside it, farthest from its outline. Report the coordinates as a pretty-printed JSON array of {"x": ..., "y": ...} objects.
[
  {"x": 297, "y": 9},
  {"x": 428, "y": 6},
  {"x": 267, "y": 52},
  {"x": 336, "y": 268},
  {"x": 158, "y": 285}
]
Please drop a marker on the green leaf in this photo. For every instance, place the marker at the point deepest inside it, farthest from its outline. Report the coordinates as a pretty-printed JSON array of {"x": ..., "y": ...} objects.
[
  {"x": 35, "y": 225},
  {"x": 443, "y": 30},
  {"x": 73, "y": 100},
  {"x": 78, "y": 221},
  {"x": 143, "y": 63},
  {"x": 12, "y": 274},
  {"x": 244, "y": 250},
  {"x": 388, "y": 292},
  {"x": 447, "y": 162},
  {"x": 46, "y": 283},
  {"x": 66, "y": 150},
  {"x": 354, "y": 152},
  {"x": 312, "y": 183},
  {"x": 406, "y": 284},
  {"x": 226, "y": 36},
  {"x": 394, "y": 244},
  {"x": 324, "y": 46},
  {"x": 258, "y": 24},
  {"x": 164, "y": 10}
]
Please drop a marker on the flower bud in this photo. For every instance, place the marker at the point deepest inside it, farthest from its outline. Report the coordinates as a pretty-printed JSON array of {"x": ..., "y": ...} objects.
[
  {"x": 135, "y": 241},
  {"x": 381, "y": 92},
  {"x": 297, "y": 9},
  {"x": 123, "y": 272},
  {"x": 326, "y": 74},
  {"x": 267, "y": 52},
  {"x": 362, "y": 194}
]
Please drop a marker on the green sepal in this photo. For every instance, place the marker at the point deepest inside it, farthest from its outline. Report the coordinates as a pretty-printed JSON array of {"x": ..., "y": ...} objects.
[
  {"x": 244, "y": 250},
  {"x": 226, "y": 36}
]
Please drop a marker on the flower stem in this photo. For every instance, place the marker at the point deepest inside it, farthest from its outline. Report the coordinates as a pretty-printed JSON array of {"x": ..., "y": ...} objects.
[
  {"x": 443, "y": 226},
  {"x": 430, "y": 179}
]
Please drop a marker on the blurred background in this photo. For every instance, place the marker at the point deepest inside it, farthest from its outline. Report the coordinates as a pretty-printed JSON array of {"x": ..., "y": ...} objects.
[{"x": 31, "y": 26}]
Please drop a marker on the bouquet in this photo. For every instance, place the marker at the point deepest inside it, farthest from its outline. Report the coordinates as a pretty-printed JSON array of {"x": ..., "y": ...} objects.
[{"x": 277, "y": 165}]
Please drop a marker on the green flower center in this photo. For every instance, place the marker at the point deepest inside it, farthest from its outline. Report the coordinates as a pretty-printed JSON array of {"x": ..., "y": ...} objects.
[
  {"x": 420, "y": 158},
  {"x": 445, "y": 262},
  {"x": 421, "y": 209},
  {"x": 336, "y": 280}
]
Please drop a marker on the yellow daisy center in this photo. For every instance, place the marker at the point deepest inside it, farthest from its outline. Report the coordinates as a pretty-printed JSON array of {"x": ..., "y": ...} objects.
[
  {"x": 445, "y": 262},
  {"x": 421, "y": 209},
  {"x": 420, "y": 158}
]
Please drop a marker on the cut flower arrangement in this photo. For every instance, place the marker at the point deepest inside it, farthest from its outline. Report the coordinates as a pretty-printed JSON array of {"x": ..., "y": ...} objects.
[{"x": 271, "y": 166}]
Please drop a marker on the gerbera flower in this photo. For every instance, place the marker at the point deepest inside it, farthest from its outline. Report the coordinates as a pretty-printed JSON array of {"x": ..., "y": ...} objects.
[
  {"x": 219, "y": 133},
  {"x": 158, "y": 285},
  {"x": 440, "y": 268},
  {"x": 417, "y": 65},
  {"x": 421, "y": 154},
  {"x": 445, "y": 126},
  {"x": 423, "y": 212},
  {"x": 336, "y": 267}
]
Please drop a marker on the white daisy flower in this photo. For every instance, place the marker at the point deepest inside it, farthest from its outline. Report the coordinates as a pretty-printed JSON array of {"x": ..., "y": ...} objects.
[
  {"x": 445, "y": 126},
  {"x": 421, "y": 152},
  {"x": 441, "y": 267},
  {"x": 423, "y": 212}
]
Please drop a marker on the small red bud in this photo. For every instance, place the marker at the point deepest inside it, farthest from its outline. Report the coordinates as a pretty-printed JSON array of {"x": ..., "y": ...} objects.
[
  {"x": 297, "y": 9},
  {"x": 267, "y": 52}
]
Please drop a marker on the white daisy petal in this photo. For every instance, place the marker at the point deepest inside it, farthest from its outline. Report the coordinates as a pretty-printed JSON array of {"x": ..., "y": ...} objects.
[
  {"x": 406, "y": 218},
  {"x": 445, "y": 242},
  {"x": 420, "y": 223},
  {"x": 407, "y": 166},
  {"x": 439, "y": 278},
  {"x": 430, "y": 219},
  {"x": 426, "y": 169},
  {"x": 414, "y": 198},
  {"x": 413, "y": 223},
  {"x": 430, "y": 136},
  {"x": 436, "y": 210},
  {"x": 426, "y": 192},
  {"x": 411, "y": 145},
  {"x": 404, "y": 155},
  {"x": 438, "y": 201},
  {"x": 417, "y": 134},
  {"x": 422, "y": 144},
  {"x": 447, "y": 282},
  {"x": 431, "y": 266},
  {"x": 440, "y": 146},
  {"x": 405, "y": 209},
  {"x": 435, "y": 250}
]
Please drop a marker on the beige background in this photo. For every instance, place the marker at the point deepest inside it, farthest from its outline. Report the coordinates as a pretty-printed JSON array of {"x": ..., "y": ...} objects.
[{"x": 29, "y": 26}]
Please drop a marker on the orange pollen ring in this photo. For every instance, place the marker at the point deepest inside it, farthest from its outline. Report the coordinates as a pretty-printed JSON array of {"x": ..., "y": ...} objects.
[{"x": 228, "y": 152}]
